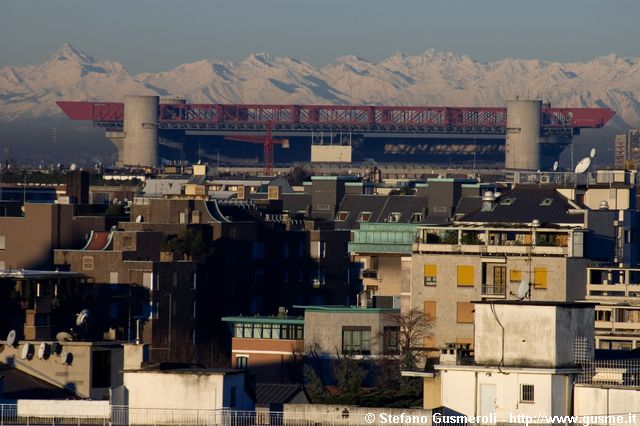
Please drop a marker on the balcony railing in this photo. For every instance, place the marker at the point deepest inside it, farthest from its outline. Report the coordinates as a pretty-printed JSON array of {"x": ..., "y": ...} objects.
[{"x": 497, "y": 291}]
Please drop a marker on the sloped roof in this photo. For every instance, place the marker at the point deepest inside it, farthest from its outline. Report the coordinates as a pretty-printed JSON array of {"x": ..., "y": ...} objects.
[
  {"x": 523, "y": 204},
  {"x": 20, "y": 385},
  {"x": 381, "y": 207},
  {"x": 276, "y": 393}
]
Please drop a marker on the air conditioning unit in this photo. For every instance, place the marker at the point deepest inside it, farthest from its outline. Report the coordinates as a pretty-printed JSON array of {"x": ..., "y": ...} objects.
[{"x": 545, "y": 179}]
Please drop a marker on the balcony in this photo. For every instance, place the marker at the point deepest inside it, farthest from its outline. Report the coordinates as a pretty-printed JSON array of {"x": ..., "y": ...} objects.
[
  {"x": 494, "y": 291},
  {"x": 613, "y": 283},
  {"x": 491, "y": 241}
]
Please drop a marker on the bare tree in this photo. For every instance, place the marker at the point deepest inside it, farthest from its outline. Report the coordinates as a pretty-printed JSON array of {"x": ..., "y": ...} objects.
[{"x": 413, "y": 327}]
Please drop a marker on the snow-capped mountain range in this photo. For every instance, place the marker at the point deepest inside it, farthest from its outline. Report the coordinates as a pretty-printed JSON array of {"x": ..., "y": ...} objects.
[{"x": 430, "y": 78}]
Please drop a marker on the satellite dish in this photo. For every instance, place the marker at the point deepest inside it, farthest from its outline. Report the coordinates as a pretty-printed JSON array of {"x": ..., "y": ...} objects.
[
  {"x": 67, "y": 357},
  {"x": 583, "y": 165},
  {"x": 43, "y": 351},
  {"x": 27, "y": 351},
  {"x": 139, "y": 218},
  {"x": 555, "y": 166},
  {"x": 523, "y": 289},
  {"x": 64, "y": 336},
  {"x": 11, "y": 338},
  {"x": 73, "y": 167},
  {"x": 592, "y": 154},
  {"x": 82, "y": 317},
  {"x": 56, "y": 348}
]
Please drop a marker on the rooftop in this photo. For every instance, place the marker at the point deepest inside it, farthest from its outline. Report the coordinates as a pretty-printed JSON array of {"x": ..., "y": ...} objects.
[
  {"x": 264, "y": 319},
  {"x": 344, "y": 309}
]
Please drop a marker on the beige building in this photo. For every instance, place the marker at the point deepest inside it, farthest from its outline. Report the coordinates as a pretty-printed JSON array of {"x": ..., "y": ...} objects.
[{"x": 455, "y": 265}]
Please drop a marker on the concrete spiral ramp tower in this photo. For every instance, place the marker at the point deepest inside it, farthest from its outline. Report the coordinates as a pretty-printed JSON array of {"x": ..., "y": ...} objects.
[
  {"x": 523, "y": 134},
  {"x": 138, "y": 142}
]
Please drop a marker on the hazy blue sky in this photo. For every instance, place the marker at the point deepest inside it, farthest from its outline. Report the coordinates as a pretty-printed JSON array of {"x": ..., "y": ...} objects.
[{"x": 157, "y": 35}]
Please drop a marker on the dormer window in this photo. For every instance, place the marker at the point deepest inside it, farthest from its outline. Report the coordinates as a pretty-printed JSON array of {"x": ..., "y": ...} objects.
[
  {"x": 394, "y": 217},
  {"x": 507, "y": 201},
  {"x": 546, "y": 202},
  {"x": 416, "y": 217},
  {"x": 364, "y": 217},
  {"x": 342, "y": 216}
]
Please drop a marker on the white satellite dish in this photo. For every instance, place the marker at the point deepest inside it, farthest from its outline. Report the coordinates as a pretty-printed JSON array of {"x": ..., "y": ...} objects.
[
  {"x": 592, "y": 154},
  {"x": 43, "y": 351},
  {"x": 555, "y": 166},
  {"x": 583, "y": 165},
  {"x": 27, "y": 351},
  {"x": 73, "y": 167},
  {"x": 139, "y": 218},
  {"x": 82, "y": 317},
  {"x": 523, "y": 289},
  {"x": 11, "y": 338},
  {"x": 64, "y": 336}
]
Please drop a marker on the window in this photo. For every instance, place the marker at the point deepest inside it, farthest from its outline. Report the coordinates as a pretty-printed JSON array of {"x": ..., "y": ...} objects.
[
  {"x": 318, "y": 280},
  {"x": 430, "y": 274},
  {"x": 242, "y": 362},
  {"x": 364, "y": 217},
  {"x": 465, "y": 276},
  {"x": 87, "y": 263},
  {"x": 527, "y": 393},
  {"x": 342, "y": 216},
  {"x": 193, "y": 336},
  {"x": 356, "y": 340},
  {"x": 154, "y": 308},
  {"x": 391, "y": 338},
  {"x": 507, "y": 201},
  {"x": 499, "y": 276},
  {"x": 257, "y": 251},
  {"x": 317, "y": 249},
  {"x": 150, "y": 281},
  {"x": 183, "y": 217},
  {"x": 394, "y": 217},
  {"x": 113, "y": 278},
  {"x": 194, "y": 280},
  {"x": 2, "y": 242},
  {"x": 416, "y": 217},
  {"x": 430, "y": 309},
  {"x": 101, "y": 369},
  {"x": 464, "y": 313},
  {"x": 193, "y": 309},
  {"x": 540, "y": 278},
  {"x": 515, "y": 275}
]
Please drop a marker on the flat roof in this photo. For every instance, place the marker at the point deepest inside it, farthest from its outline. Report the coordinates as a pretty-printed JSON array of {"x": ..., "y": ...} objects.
[
  {"x": 580, "y": 304},
  {"x": 35, "y": 274},
  {"x": 345, "y": 309},
  {"x": 264, "y": 320}
]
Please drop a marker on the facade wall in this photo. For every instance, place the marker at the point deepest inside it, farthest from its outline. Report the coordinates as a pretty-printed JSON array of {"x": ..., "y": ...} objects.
[
  {"x": 323, "y": 329},
  {"x": 462, "y": 391},
  {"x": 30, "y": 239},
  {"x": 271, "y": 360},
  {"x": 541, "y": 336},
  {"x": 77, "y": 375},
  {"x": 451, "y": 288},
  {"x": 600, "y": 401}
]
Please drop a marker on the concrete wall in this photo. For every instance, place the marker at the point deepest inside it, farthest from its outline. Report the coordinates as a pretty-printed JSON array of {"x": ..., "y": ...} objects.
[
  {"x": 140, "y": 145},
  {"x": 64, "y": 409},
  {"x": 75, "y": 376},
  {"x": 344, "y": 414},
  {"x": 522, "y": 148},
  {"x": 600, "y": 401},
  {"x": 271, "y": 360},
  {"x": 461, "y": 391},
  {"x": 330, "y": 154},
  {"x": 29, "y": 239},
  {"x": 534, "y": 335},
  {"x": 323, "y": 329},
  {"x": 184, "y": 390}
]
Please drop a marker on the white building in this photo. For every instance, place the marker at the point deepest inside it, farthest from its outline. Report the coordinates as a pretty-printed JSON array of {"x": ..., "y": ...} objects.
[
  {"x": 524, "y": 360},
  {"x": 183, "y": 391}
]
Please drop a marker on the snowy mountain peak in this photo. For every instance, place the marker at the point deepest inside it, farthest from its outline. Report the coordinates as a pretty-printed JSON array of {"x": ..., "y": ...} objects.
[
  {"x": 69, "y": 53},
  {"x": 429, "y": 78}
]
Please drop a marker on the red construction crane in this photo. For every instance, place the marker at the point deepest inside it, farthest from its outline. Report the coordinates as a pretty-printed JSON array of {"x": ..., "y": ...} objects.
[{"x": 267, "y": 142}]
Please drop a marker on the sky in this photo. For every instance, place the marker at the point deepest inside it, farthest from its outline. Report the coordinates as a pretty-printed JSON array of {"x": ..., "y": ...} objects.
[{"x": 158, "y": 35}]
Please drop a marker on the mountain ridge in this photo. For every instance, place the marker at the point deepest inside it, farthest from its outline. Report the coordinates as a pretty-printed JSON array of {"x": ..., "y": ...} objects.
[{"x": 430, "y": 78}]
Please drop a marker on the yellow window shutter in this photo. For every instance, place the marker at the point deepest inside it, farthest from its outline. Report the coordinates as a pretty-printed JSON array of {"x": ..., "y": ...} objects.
[
  {"x": 430, "y": 270},
  {"x": 515, "y": 275},
  {"x": 430, "y": 309},
  {"x": 540, "y": 278},
  {"x": 465, "y": 276}
]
